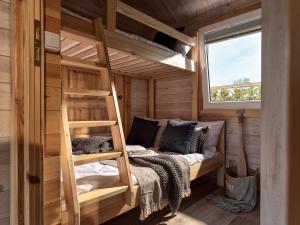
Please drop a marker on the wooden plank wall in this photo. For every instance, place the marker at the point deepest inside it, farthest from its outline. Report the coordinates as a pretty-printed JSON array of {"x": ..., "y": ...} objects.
[
  {"x": 5, "y": 109},
  {"x": 252, "y": 132},
  {"x": 173, "y": 97},
  {"x": 85, "y": 108},
  {"x": 52, "y": 210},
  {"x": 139, "y": 100},
  {"x": 132, "y": 94}
]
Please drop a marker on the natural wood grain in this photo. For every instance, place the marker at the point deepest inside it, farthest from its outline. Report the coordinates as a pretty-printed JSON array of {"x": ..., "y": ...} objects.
[
  {"x": 88, "y": 158},
  {"x": 80, "y": 63},
  {"x": 149, "y": 21},
  {"x": 83, "y": 92},
  {"x": 103, "y": 123},
  {"x": 111, "y": 14},
  {"x": 99, "y": 195},
  {"x": 4, "y": 42}
]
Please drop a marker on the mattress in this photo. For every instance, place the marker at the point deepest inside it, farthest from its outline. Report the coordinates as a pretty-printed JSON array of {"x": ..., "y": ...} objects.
[
  {"x": 139, "y": 38},
  {"x": 97, "y": 175}
]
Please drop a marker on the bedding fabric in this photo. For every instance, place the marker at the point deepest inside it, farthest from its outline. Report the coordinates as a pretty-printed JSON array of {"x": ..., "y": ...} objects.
[
  {"x": 162, "y": 179},
  {"x": 199, "y": 138},
  {"x": 213, "y": 134},
  {"x": 142, "y": 132},
  {"x": 91, "y": 145},
  {"x": 97, "y": 175},
  {"x": 178, "y": 136}
]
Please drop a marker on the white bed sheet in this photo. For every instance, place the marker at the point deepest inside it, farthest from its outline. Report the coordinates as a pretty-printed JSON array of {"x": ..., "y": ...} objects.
[{"x": 97, "y": 175}]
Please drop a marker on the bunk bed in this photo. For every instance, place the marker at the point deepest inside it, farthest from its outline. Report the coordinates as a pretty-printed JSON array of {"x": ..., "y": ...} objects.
[
  {"x": 131, "y": 57},
  {"x": 129, "y": 54}
]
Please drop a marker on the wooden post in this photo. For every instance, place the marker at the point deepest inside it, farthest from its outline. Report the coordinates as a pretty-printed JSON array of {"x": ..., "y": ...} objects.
[
  {"x": 111, "y": 15},
  {"x": 127, "y": 116},
  {"x": 294, "y": 112},
  {"x": 151, "y": 98},
  {"x": 195, "y": 81}
]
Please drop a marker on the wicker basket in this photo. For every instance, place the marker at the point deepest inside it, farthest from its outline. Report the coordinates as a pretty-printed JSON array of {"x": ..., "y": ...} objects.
[{"x": 231, "y": 177}]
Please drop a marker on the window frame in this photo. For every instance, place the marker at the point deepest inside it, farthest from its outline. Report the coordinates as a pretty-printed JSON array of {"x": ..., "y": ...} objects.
[{"x": 207, "y": 104}]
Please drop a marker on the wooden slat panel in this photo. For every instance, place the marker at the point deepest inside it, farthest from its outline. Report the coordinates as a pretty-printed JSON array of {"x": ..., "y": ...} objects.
[
  {"x": 84, "y": 124},
  {"x": 5, "y": 96},
  {"x": 52, "y": 74},
  {"x": 5, "y": 71},
  {"x": 88, "y": 158},
  {"x": 151, "y": 22},
  {"x": 5, "y": 15},
  {"x": 4, "y": 42},
  {"x": 53, "y": 98},
  {"x": 169, "y": 102},
  {"x": 83, "y": 92},
  {"x": 101, "y": 194}
]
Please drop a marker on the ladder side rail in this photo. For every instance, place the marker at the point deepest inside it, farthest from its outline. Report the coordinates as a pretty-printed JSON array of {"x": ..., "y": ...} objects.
[
  {"x": 68, "y": 173},
  {"x": 113, "y": 112}
]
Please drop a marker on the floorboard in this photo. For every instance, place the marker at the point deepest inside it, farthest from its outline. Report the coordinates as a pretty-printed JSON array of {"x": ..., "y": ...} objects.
[{"x": 195, "y": 210}]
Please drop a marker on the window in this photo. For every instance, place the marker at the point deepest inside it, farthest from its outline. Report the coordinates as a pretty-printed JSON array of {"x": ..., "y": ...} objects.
[{"x": 233, "y": 66}]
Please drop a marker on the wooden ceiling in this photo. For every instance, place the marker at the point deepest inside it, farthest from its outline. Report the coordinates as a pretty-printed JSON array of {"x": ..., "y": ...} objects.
[{"x": 175, "y": 13}]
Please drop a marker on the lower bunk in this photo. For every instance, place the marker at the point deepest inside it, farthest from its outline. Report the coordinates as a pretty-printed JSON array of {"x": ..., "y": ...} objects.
[{"x": 103, "y": 210}]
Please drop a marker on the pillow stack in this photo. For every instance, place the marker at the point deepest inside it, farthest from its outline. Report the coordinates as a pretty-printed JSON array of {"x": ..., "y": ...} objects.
[
  {"x": 142, "y": 132},
  {"x": 178, "y": 136},
  {"x": 183, "y": 137}
]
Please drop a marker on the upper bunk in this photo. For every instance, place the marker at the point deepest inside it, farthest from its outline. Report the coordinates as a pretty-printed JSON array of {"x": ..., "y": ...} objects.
[{"x": 128, "y": 54}]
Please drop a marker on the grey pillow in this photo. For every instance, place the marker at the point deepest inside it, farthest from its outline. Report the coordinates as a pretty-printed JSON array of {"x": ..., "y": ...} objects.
[
  {"x": 178, "y": 136},
  {"x": 199, "y": 138}
]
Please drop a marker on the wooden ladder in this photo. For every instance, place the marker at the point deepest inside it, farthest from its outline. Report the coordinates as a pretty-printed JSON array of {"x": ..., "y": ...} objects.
[{"x": 74, "y": 201}]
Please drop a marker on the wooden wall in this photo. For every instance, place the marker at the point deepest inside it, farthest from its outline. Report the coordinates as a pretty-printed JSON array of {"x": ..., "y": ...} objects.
[
  {"x": 132, "y": 94},
  {"x": 139, "y": 100},
  {"x": 85, "y": 108},
  {"x": 276, "y": 72},
  {"x": 173, "y": 97},
  {"x": 5, "y": 109},
  {"x": 52, "y": 210},
  {"x": 252, "y": 132}
]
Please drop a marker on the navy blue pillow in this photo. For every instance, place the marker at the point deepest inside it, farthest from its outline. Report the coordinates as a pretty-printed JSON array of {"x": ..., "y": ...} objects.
[
  {"x": 178, "y": 136},
  {"x": 142, "y": 132}
]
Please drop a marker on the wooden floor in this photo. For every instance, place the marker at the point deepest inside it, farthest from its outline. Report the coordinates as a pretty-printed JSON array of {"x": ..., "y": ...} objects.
[{"x": 195, "y": 210}]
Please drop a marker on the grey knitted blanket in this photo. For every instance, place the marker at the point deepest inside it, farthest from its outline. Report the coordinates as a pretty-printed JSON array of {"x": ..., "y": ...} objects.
[
  {"x": 245, "y": 192},
  {"x": 163, "y": 180},
  {"x": 91, "y": 145}
]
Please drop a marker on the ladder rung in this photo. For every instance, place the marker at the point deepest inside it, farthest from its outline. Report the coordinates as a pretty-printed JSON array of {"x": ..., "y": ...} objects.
[
  {"x": 93, "y": 123},
  {"x": 83, "y": 92},
  {"x": 81, "y": 63},
  {"x": 88, "y": 158},
  {"x": 100, "y": 194}
]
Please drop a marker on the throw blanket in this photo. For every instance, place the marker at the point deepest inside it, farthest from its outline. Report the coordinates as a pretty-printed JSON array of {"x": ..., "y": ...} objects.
[
  {"x": 245, "y": 194},
  {"x": 91, "y": 145},
  {"x": 163, "y": 180}
]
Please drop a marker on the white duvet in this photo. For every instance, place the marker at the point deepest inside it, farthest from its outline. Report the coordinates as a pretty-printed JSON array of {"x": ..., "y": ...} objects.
[{"x": 97, "y": 175}]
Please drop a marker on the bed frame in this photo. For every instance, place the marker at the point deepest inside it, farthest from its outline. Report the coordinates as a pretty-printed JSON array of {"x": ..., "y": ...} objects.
[
  {"x": 128, "y": 56},
  {"x": 132, "y": 57},
  {"x": 108, "y": 209}
]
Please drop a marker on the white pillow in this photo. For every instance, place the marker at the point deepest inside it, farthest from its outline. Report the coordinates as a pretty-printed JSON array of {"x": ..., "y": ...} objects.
[{"x": 213, "y": 134}]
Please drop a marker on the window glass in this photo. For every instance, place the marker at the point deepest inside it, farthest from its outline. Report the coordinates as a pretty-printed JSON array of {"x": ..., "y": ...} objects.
[{"x": 234, "y": 69}]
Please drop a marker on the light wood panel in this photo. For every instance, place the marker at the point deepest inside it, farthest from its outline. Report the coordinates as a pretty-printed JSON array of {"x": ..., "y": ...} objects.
[
  {"x": 149, "y": 21},
  {"x": 274, "y": 82},
  {"x": 52, "y": 184},
  {"x": 126, "y": 47},
  {"x": 139, "y": 101},
  {"x": 173, "y": 97}
]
